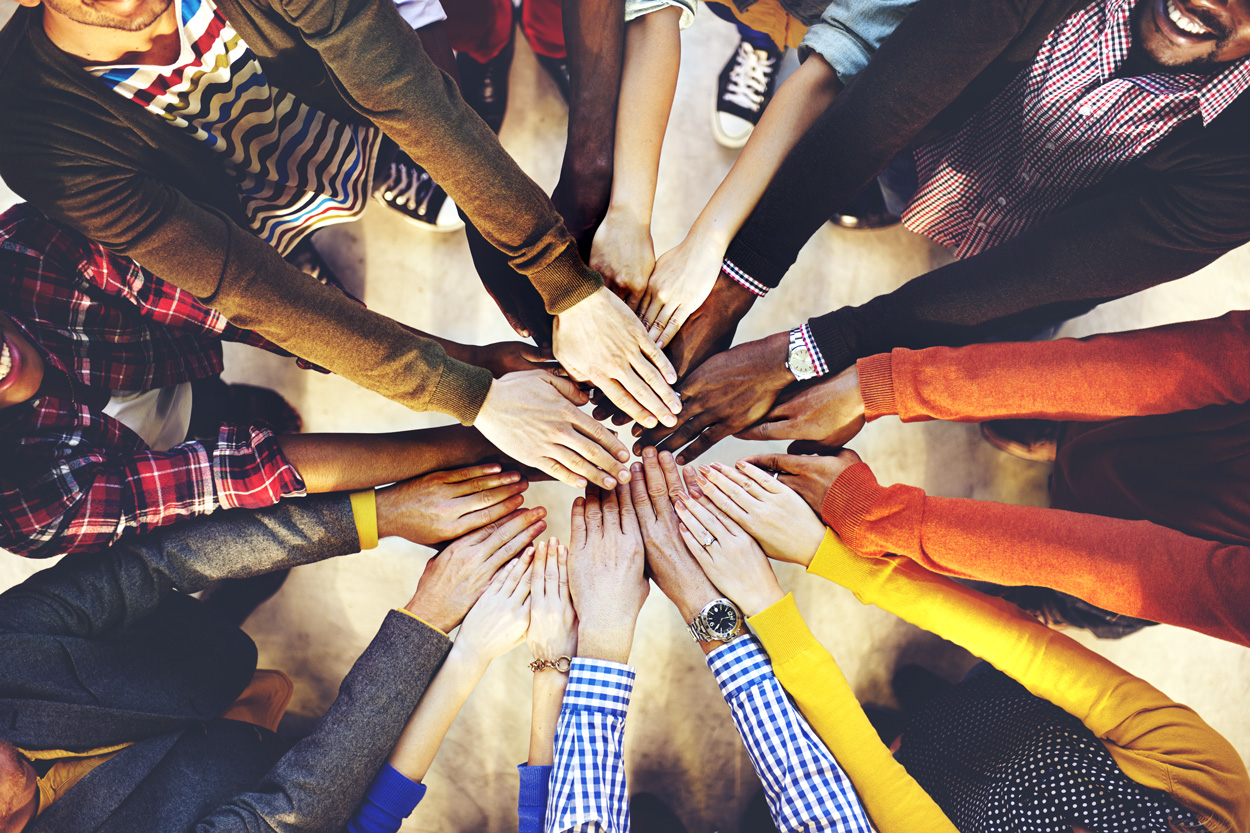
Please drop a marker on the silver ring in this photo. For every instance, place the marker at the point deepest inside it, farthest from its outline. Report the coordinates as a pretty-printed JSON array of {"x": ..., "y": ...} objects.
[{"x": 707, "y": 542}]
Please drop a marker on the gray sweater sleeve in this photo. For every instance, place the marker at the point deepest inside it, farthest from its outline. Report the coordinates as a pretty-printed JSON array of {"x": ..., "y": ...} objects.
[
  {"x": 317, "y": 785},
  {"x": 90, "y": 594}
]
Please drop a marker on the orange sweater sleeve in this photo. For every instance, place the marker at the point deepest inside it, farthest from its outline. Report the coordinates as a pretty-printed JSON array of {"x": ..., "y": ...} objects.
[
  {"x": 1136, "y": 568},
  {"x": 1160, "y": 370},
  {"x": 1155, "y": 741}
]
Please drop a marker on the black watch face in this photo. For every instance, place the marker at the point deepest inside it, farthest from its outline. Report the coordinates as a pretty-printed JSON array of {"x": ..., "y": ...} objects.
[{"x": 722, "y": 619}]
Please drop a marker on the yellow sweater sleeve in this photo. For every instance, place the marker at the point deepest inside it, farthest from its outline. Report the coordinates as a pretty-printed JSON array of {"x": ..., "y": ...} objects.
[
  {"x": 894, "y": 801},
  {"x": 1155, "y": 741}
]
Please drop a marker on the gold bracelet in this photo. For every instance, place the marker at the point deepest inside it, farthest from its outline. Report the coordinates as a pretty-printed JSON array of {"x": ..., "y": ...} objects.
[{"x": 561, "y": 664}]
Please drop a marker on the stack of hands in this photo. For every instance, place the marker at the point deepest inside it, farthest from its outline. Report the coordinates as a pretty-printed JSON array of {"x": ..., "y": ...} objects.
[{"x": 700, "y": 534}]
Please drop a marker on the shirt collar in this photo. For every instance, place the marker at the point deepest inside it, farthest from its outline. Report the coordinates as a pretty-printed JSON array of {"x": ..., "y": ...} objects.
[{"x": 1213, "y": 92}]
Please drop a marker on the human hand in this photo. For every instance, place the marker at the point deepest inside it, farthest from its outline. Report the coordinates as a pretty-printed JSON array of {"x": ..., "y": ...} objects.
[
  {"x": 810, "y": 476},
  {"x": 534, "y": 418},
  {"x": 498, "y": 620},
  {"x": 447, "y": 504},
  {"x": 729, "y": 556},
  {"x": 728, "y": 392},
  {"x": 771, "y": 513},
  {"x": 599, "y": 340},
  {"x": 673, "y": 567},
  {"x": 606, "y": 580},
  {"x": 455, "y": 578},
  {"x": 504, "y": 357},
  {"x": 830, "y": 413},
  {"x": 710, "y": 329},
  {"x": 624, "y": 254},
  {"x": 553, "y": 623},
  {"x": 682, "y": 279}
]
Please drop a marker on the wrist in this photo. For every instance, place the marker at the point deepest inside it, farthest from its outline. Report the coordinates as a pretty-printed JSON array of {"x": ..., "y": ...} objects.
[
  {"x": 773, "y": 352},
  {"x": 611, "y": 642},
  {"x": 631, "y": 212},
  {"x": 468, "y": 657},
  {"x": 432, "y": 613},
  {"x": 760, "y": 601}
]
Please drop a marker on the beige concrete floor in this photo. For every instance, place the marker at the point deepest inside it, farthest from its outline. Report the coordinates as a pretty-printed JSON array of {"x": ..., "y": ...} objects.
[{"x": 680, "y": 743}]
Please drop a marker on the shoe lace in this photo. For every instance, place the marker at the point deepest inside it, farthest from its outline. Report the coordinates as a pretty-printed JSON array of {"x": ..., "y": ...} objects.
[
  {"x": 407, "y": 186},
  {"x": 749, "y": 77}
]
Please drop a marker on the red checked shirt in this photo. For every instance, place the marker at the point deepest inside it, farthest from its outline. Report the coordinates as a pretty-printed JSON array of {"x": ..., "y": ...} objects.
[
  {"x": 73, "y": 478},
  {"x": 1063, "y": 125}
]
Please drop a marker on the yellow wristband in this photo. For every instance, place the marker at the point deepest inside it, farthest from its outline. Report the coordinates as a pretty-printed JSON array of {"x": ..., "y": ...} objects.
[{"x": 365, "y": 511}]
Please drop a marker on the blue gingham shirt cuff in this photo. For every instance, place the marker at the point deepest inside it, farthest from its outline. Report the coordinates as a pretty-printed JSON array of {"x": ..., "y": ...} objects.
[
  {"x": 805, "y": 788},
  {"x": 588, "y": 793}
]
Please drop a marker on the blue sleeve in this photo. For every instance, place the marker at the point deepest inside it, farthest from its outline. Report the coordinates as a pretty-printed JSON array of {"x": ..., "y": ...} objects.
[
  {"x": 531, "y": 806},
  {"x": 391, "y": 799}
]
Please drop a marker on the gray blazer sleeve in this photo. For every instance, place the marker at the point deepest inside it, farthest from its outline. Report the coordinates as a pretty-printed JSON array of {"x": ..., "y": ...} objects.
[
  {"x": 90, "y": 594},
  {"x": 318, "y": 784}
]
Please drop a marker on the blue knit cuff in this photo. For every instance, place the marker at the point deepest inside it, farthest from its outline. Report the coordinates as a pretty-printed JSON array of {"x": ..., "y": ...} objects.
[
  {"x": 391, "y": 799},
  {"x": 532, "y": 801}
]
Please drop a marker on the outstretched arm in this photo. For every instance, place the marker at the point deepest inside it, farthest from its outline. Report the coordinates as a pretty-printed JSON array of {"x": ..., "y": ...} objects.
[{"x": 623, "y": 252}]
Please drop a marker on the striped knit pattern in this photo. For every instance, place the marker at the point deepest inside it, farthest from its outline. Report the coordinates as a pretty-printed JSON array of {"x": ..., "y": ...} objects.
[
  {"x": 1063, "y": 125},
  {"x": 297, "y": 169}
]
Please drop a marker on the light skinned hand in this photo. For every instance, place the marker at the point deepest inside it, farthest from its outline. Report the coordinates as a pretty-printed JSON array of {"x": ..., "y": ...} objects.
[
  {"x": 600, "y": 340},
  {"x": 810, "y": 476},
  {"x": 553, "y": 623},
  {"x": 830, "y": 413},
  {"x": 671, "y": 564},
  {"x": 771, "y": 512},
  {"x": 729, "y": 557},
  {"x": 606, "y": 579},
  {"x": 447, "y": 504},
  {"x": 682, "y": 280},
  {"x": 535, "y": 418},
  {"x": 504, "y": 357},
  {"x": 624, "y": 254},
  {"x": 497, "y": 621},
  {"x": 455, "y": 578}
]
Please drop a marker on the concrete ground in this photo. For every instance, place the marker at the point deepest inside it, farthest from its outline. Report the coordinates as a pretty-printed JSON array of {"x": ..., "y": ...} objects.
[{"x": 680, "y": 743}]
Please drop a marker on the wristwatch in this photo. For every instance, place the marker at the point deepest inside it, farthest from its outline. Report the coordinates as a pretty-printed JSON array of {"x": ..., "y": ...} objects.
[
  {"x": 799, "y": 358},
  {"x": 718, "y": 621}
]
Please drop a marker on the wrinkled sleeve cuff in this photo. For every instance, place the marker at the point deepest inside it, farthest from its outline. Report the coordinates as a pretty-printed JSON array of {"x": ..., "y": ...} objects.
[
  {"x": 848, "y": 502},
  {"x": 365, "y": 513},
  {"x": 876, "y": 386}
]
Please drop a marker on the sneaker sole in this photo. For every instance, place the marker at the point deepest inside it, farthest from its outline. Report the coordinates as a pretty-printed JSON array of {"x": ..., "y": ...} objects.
[
  {"x": 422, "y": 224},
  {"x": 724, "y": 139}
]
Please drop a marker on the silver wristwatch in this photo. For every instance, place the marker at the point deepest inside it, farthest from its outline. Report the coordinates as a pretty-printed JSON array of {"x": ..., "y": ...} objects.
[
  {"x": 718, "y": 621},
  {"x": 799, "y": 358}
]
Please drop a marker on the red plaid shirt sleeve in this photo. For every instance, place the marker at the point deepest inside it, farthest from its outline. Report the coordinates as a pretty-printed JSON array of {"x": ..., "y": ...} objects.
[{"x": 89, "y": 497}]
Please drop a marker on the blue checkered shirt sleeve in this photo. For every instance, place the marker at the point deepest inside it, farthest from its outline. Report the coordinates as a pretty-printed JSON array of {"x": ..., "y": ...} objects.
[
  {"x": 805, "y": 787},
  {"x": 588, "y": 778}
]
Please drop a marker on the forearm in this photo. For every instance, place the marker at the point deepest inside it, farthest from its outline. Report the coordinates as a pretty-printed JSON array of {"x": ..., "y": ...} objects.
[
  {"x": 594, "y": 35},
  {"x": 794, "y": 108},
  {"x": 346, "y": 462},
  {"x": 442, "y": 701},
  {"x": 648, "y": 84},
  {"x": 1097, "y": 378},
  {"x": 549, "y": 686},
  {"x": 1131, "y": 567}
]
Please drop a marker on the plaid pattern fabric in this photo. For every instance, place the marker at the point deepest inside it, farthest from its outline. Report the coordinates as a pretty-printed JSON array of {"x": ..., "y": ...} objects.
[
  {"x": 587, "y": 792},
  {"x": 813, "y": 350},
  {"x": 73, "y": 478},
  {"x": 1063, "y": 125},
  {"x": 744, "y": 280},
  {"x": 806, "y": 789}
]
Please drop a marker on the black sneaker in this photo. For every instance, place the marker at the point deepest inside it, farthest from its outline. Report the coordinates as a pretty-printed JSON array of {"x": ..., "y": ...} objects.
[
  {"x": 746, "y": 85},
  {"x": 408, "y": 189},
  {"x": 558, "y": 69},
  {"x": 485, "y": 86}
]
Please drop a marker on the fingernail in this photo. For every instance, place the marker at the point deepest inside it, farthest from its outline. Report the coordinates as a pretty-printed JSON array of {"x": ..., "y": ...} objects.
[
  {"x": 609, "y": 483},
  {"x": 669, "y": 420},
  {"x": 740, "y": 465},
  {"x": 636, "y": 468},
  {"x": 674, "y": 405},
  {"x": 623, "y": 475},
  {"x": 623, "y": 456},
  {"x": 648, "y": 452},
  {"x": 581, "y": 483},
  {"x": 512, "y": 478},
  {"x": 681, "y": 461},
  {"x": 649, "y": 422}
]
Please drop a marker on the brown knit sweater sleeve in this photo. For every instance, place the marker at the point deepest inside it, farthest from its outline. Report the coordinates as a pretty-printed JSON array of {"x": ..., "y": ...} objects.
[
  {"x": 1159, "y": 370},
  {"x": 1132, "y": 567}
]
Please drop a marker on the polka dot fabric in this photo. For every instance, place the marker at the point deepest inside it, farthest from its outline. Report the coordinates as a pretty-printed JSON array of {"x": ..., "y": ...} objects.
[{"x": 998, "y": 759}]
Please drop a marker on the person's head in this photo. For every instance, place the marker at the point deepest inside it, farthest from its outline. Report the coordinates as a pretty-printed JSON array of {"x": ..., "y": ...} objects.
[
  {"x": 119, "y": 15},
  {"x": 1192, "y": 34},
  {"x": 17, "y": 789},
  {"x": 21, "y": 365}
]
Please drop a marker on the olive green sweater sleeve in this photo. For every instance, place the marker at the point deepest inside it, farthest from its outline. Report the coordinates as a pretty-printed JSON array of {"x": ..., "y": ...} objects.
[
  {"x": 1155, "y": 741},
  {"x": 380, "y": 68},
  {"x": 894, "y": 801}
]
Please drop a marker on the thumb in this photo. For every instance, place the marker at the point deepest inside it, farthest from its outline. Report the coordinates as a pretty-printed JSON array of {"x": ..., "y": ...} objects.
[
  {"x": 568, "y": 389},
  {"x": 786, "y": 463}
]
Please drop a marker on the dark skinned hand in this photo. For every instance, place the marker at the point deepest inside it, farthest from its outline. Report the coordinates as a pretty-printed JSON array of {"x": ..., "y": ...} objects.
[
  {"x": 726, "y": 394},
  {"x": 504, "y": 357},
  {"x": 830, "y": 413},
  {"x": 810, "y": 476},
  {"x": 710, "y": 330}
]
